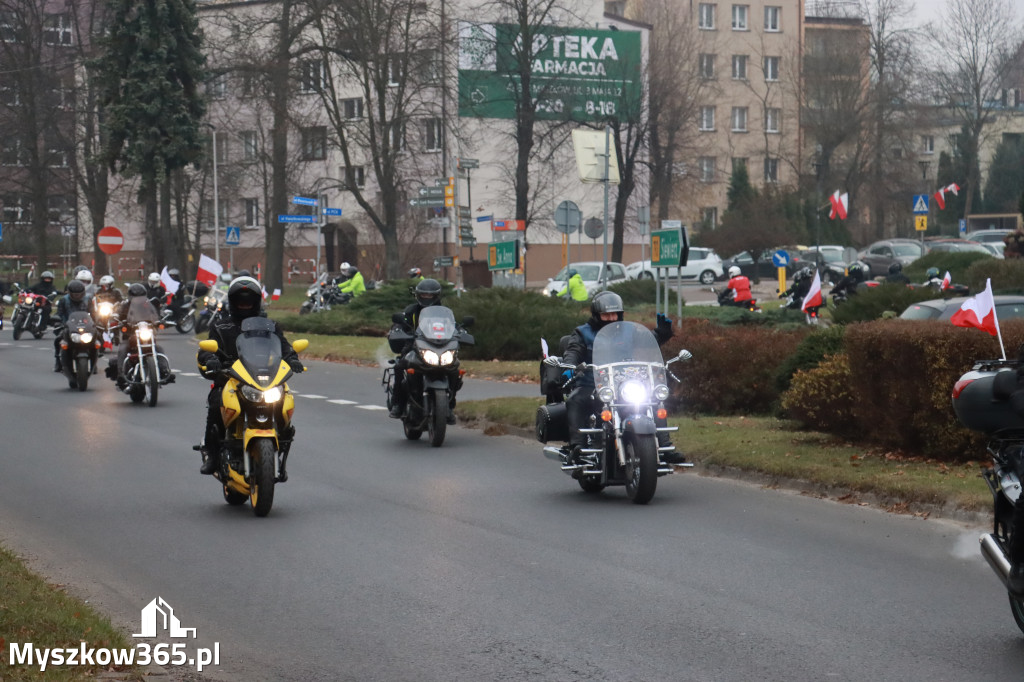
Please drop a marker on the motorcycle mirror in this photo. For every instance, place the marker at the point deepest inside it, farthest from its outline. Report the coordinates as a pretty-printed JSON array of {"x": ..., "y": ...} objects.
[
  {"x": 684, "y": 355},
  {"x": 299, "y": 345},
  {"x": 398, "y": 318},
  {"x": 7, "y": 299},
  {"x": 209, "y": 346},
  {"x": 468, "y": 321}
]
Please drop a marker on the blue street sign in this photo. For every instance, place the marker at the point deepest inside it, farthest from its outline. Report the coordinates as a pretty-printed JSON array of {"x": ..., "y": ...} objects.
[
  {"x": 963, "y": 226},
  {"x": 332, "y": 211},
  {"x": 780, "y": 259},
  {"x": 483, "y": 218},
  {"x": 304, "y": 201},
  {"x": 233, "y": 236},
  {"x": 1, "y": 232},
  {"x": 920, "y": 204},
  {"x": 294, "y": 218}
]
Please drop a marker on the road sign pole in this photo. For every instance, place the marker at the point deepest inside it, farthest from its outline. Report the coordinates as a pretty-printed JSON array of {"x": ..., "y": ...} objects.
[{"x": 607, "y": 165}]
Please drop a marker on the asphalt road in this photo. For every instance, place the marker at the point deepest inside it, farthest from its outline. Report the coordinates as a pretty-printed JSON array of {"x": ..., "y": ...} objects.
[{"x": 385, "y": 559}]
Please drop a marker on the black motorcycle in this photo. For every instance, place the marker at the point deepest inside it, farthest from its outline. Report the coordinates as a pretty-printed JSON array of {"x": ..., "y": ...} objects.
[
  {"x": 144, "y": 367},
  {"x": 213, "y": 303},
  {"x": 631, "y": 383},
  {"x": 79, "y": 348},
  {"x": 984, "y": 400},
  {"x": 30, "y": 314},
  {"x": 431, "y": 370},
  {"x": 182, "y": 317}
]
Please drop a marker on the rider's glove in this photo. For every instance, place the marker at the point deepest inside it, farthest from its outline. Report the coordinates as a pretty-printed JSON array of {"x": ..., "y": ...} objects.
[
  {"x": 213, "y": 365},
  {"x": 551, "y": 360},
  {"x": 296, "y": 366},
  {"x": 664, "y": 322}
]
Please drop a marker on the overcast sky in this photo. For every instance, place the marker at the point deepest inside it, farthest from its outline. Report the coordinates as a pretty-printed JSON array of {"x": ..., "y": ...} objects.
[{"x": 930, "y": 10}]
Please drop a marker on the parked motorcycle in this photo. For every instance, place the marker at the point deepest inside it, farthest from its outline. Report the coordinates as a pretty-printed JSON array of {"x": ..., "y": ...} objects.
[
  {"x": 213, "y": 303},
  {"x": 631, "y": 382},
  {"x": 30, "y": 315},
  {"x": 145, "y": 368},
  {"x": 984, "y": 400},
  {"x": 431, "y": 371},
  {"x": 79, "y": 348},
  {"x": 257, "y": 410}
]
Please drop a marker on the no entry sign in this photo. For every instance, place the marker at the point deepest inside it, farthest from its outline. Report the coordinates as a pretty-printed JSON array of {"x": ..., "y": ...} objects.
[{"x": 110, "y": 240}]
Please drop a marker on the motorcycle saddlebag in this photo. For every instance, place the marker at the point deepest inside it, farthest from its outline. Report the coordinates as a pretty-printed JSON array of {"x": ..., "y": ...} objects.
[
  {"x": 987, "y": 404},
  {"x": 550, "y": 378},
  {"x": 552, "y": 423}
]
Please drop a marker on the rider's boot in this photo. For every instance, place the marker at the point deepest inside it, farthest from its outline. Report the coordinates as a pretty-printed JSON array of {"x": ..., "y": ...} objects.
[
  {"x": 211, "y": 448},
  {"x": 451, "y": 411}
]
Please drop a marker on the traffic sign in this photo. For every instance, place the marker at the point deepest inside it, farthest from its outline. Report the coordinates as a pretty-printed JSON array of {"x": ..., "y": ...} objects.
[
  {"x": 668, "y": 248},
  {"x": 920, "y": 204},
  {"x": 432, "y": 191},
  {"x": 465, "y": 233},
  {"x": 1, "y": 232},
  {"x": 110, "y": 240},
  {"x": 464, "y": 221},
  {"x": 780, "y": 259},
  {"x": 332, "y": 211},
  {"x": 232, "y": 236},
  {"x": 294, "y": 218},
  {"x": 444, "y": 262},
  {"x": 449, "y": 201},
  {"x": 304, "y": 201},
  {"x": 593, "y": 228},
  {"x": 484, "y": 218},
  {"x": 567, "y": 217},
  {"x": 920, "y": 223},
  {"x": 963, "y": 226},
  {"x": 428, "y": 202},
  {"x": 466, "y": 164}
]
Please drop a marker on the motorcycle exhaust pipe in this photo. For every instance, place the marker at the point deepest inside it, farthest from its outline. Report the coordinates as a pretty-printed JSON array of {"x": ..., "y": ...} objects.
[{"x": 995, "y": 556}]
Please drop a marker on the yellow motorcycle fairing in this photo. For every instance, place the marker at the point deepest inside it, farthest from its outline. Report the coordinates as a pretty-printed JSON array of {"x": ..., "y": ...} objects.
[{"x": 231, "y": 406}]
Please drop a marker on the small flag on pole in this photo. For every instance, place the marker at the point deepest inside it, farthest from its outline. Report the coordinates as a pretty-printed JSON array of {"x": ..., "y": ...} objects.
[
  {"x": 840, "y": 204},
  {"x": 276, "y": 295},
  {"x": 170, "y": 286},
  {"x": 947, "y": 281},
  {"x": 209, "y": 270}
]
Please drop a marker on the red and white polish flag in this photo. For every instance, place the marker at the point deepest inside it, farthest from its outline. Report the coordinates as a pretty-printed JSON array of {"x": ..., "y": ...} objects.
[
  {"x": 947, "y": 281},
  {"x": 276, "y": 295},
  {"x": 979, "y": 312},
  {"x": 840, "y": 205},
  {"x": 209, "y": 270},
  {"x": 813, "y": 298}
]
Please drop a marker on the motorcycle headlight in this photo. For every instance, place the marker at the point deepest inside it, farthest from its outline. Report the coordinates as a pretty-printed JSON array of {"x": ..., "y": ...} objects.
[
  {"x": 86, "y": 337},
  {"x": 430, "y": 357},
  {"x": 255, "y": 395},
  {"x": 661, "y": 391},
  {"x": 447, "y": 357},
  {"x": 75, "y": 337},
  {"x": 272, "y": 395},
  {"x": 106, "y": 309},
  {"x": 634, "y": 392},
  {"x": 145, "y": 334},
  {"x": 606, "y": 394}
]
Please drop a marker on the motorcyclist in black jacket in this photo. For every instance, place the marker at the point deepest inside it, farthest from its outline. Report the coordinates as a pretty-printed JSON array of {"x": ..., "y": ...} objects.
[
  {"x": 73, "y": 301},
  {"x": 896, "y": 275},
  {"x": 847, "y": 285},
  {"x": 605, "y": 307},
  {"x": 802, "y": 281},
  {"x": 245, "y": 300},
  {"x": 46, "y": 288}
]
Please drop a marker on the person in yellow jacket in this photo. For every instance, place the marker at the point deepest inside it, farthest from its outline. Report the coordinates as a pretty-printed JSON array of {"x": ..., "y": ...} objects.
[
  {"x": 354, "y": 285},
  {"x": 574, "y": 287}
]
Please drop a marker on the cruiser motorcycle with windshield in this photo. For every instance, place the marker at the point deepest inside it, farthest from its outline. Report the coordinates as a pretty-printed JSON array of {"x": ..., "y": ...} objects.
[
  {"x": 183, "y": 318},
  {"x": 990, "y": 399},
  {"x": 257, "y": 409},
  {"x": 29, "y": 314},
  {"x": 144, "y": 368},
  {"x": 631, "y": 383},
  {"x": 213, "y": 303},
  {"x": 431, "y": 369},
  {"x": 79, "y": 349}
]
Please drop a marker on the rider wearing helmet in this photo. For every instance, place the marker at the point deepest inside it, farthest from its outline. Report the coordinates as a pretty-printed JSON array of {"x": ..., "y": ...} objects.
[
  {"x": 932, "y": 279},
  {"x": 427, "y": 293},
  {"x": 802, "y": 281},
  {"x": 605, "y": 308},
  {"x": 896, "y": 275},
  {"x": 574, "y": 286},
  {"x": 107, "y": 291},
  {"x": 45, "y": 287},
  {"x": 75, "y": 300},
  {"x": 354, "y": 285},
  {"x": 245, "y": 300},
  {"x": 154, "y": 288},
  {"x": 737, "y": 290},
  {"x": 85, "y": 277},
  {"x": 847, "y": 285},
  {"x": 415, "y": 274}
]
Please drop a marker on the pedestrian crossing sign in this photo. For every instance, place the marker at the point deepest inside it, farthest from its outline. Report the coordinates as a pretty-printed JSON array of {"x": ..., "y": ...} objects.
[
  {"x": 921, "y": 223},
  {"x": 232, "y": 237},
  {"x": 921, "y": 204}
]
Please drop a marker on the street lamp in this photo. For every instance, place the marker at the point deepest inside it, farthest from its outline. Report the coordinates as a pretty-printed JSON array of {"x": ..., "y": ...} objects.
[{"x": 216, "y": 198}]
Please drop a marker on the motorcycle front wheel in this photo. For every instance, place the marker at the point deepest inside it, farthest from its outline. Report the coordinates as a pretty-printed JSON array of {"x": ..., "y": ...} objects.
[
  {"x": 438, "y": 422},
  {"x": 152, "y": 382},
  {"x": 82, "y": 373},
  {"x": 1017, "y": 608},
  {"x": 641, "y": 467},
  {"x": 261, "y": 495},
  {"x": 19, "y": 326},
  {"x": 186, "y": 324}
]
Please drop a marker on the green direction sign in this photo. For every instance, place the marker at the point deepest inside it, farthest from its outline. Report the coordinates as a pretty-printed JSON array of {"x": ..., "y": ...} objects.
[
  {"x": 666, "y": 248},
  {"x": 432, "y": 192},
  {"x": 503, "y": 255},
  {"x": 428, "y": 202},
  {"x": 576, "y": 74}
]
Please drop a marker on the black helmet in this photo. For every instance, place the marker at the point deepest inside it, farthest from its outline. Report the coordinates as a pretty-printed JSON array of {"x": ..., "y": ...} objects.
[
  {"x": 857, "y": 271},
  {"x": 76, "y": 290},
  {"x": 352, "y": 270},
  {"x": 174, "y": 274},
  {"x": 245, "y": 298},
  {"x": 570, "y": 274},
  {"x": 605, "y": 302},
  {"x": 896, "y": 268},
  {"x": 415, "y": 272},
  {"x": 137, "y": 289},
  {"x": 932, "y": 273},
  {"x": 428, "y": 292}
]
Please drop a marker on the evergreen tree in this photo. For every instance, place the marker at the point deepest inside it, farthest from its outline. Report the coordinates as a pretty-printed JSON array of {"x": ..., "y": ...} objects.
[
  {"x": 740, "y": 190},
  {"x": 150, "y": 74},
  {"x": 1005, "y": 177}
]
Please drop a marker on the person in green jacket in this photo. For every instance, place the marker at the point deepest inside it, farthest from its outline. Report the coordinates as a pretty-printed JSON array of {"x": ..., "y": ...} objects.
[
  {"x": 354, "y": 285},
  {"x": 574, "y": 287}
]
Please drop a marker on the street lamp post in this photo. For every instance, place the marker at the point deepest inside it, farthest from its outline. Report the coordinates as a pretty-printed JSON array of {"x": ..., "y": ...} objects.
[{"x": 216, "y": 200}]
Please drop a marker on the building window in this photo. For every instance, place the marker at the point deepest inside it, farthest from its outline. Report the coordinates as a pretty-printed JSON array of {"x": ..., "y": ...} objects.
[
  {"x": 706, "y": 16},
  {"x": 927, "y": 144},
  {"x": 57, "y": 29},
  {"x": 771, "y": 170},
  {"x": 56, "y": 154},
  {"x": 394, "y": 70},
  {"x": 772, "y": 117},
  {"x": 738, "y": 162},
  {"x": 396, "y": 132},
  {"x": 313, "y": 76},
  {"x": 707, "y": 118},
  {"x": 207, "y": 219},
  {"x": 17, "y": 209},
  {"x": 221, "y": 150},
  {"x": 434, "y": 135},
  {"x": 771, "y": 68},
  {"x": 314, "y": 143},
  {"x": 249, "y": 83},
  {"x": 739, "y": 67},
  {"x": 10, "y": 97},
  {"x": 739, "y": 119},
  {"x": 709, "y": 217},
  {"x": 772, "y": 19},
  {"x": 355, "y": 177},
  {"x": 250, "y": 145},
  {"x": 217, "y": 86},
  {"x": 353, "y": 108},
  {"x": 432, "y": 66},
  {"x": 251, "y": 207},
  {"x": 59, "y": 209},
  {"x": 706, "y": 167},
  {"x": 739, "y": 17},
  {"x": 706, "y": 66},
  {"x": 9, "y": 32},
  {"x": 14, "y": 152}
]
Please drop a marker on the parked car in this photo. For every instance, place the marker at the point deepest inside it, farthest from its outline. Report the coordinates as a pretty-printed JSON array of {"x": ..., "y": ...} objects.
[
  {"x": 1007, "y": 308},
  {"x": 957, "y": 246},
  {"x": 703, "y": 265},
  {"x": 988, "y": 236},
  {"x": 833, "y": 261},
  {"x": 764, "y": 268},
  {"x": 877, "y": 257},
  {"x": 590, "y": 273}
]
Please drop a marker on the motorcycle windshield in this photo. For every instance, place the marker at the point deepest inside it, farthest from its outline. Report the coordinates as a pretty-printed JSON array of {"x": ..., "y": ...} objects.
[
  {"x": 80, "y": 321},
  {"x": 259, "y": 349},
  {"x": 626, "y": 351},
  {"x": 141, "y": 310},
  {"x": 437, "y": 324}
]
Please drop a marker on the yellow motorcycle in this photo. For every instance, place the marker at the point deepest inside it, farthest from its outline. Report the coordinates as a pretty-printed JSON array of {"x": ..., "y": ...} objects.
[{"x": 256, "y": 409}]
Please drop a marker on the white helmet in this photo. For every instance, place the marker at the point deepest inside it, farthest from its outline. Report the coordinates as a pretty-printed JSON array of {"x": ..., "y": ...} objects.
[
  {"x": 85, "y": 277},
  {"x": 154, "y": 278},
  {"x": 344, "y": 266},
  {"x": 106, "y": 281},
  {"x": 734, "y": 271}
]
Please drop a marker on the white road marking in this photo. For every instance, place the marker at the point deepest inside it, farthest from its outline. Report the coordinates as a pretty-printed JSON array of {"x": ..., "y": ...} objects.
[
  {"x": 191, "y": 374},
  {"x": 313, "y": 396},
  {"x": 341, "y": 401},
  {"x": 371, "y": 407}
]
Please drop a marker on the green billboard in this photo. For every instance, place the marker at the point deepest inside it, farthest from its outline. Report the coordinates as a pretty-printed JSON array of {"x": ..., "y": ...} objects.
[
  {"x": 576, "y": 74},
  {"x": 503, "y": 255}
]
